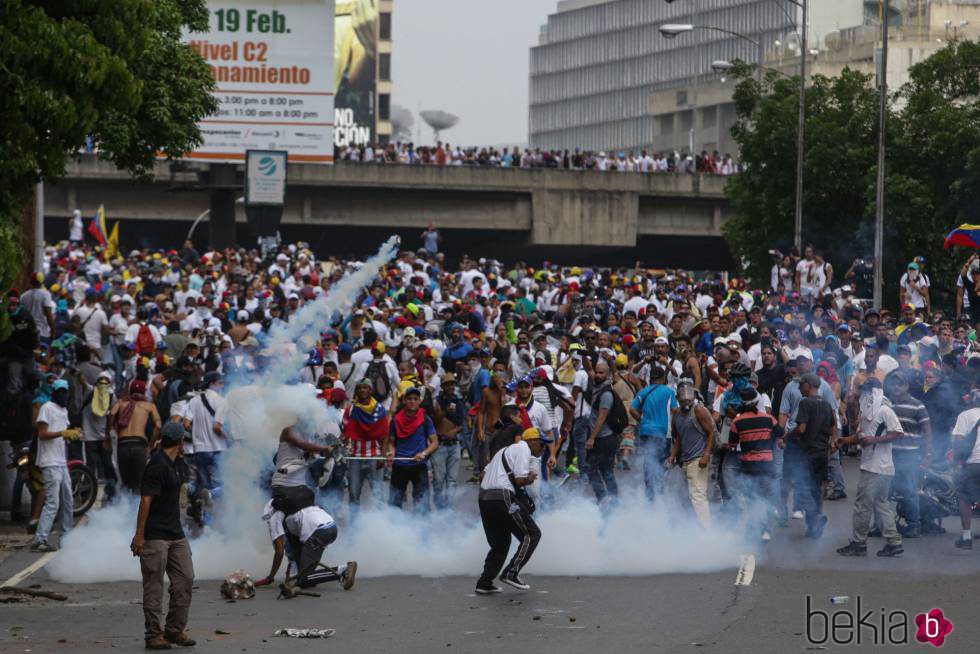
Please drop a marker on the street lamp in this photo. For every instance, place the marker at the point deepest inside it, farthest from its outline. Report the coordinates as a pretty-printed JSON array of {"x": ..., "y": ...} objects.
[{"x": 671, "y": 31}]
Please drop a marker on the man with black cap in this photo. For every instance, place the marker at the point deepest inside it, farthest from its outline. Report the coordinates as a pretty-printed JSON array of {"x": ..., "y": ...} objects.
[
  {"x": 815, "y": 428},
  {"x": 505, "y": 510},
  {"x": 877, "y": 427},
  {"x": 161, "y": 545}
]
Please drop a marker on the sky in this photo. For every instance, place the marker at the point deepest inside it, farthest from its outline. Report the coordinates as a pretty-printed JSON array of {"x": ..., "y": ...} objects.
[{"x": 470, "y": 58}]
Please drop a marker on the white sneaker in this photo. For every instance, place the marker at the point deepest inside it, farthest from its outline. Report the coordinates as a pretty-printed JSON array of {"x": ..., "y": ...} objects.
[
  {"x": 797, "y": 515},
  {"x": 766, "y": 537}
]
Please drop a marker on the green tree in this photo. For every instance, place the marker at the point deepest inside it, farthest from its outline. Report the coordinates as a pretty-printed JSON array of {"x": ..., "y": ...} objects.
[
  {"x": 932, "y": 166},
  {"x": 112, "y": 70},
  {"x": 841, "y": 118}
]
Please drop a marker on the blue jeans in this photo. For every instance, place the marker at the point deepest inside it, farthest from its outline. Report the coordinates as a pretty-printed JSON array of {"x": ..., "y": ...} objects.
[
  {"x": 653, "y": 450},
  {"x": 58, "y": 500},
  {"x": 835, "y": 471},
  {"x": 906, "y": 483},
  {"x": 445, "y": 470},
  {"x": 205, "y": 466},
  {"x": 808, "y": 474},
  {"x": 359, "y": 473},
  {"x": 580, "y": 433},
  {"x": 757, "y": 491}
]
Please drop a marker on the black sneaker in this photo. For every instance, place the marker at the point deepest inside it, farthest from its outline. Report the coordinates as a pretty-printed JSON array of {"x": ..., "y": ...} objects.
[
  {"x": 853, "y": 549},
  {"x": 514, "y": 581},
  {"x": 487, "y": 590},
  {"x": 890, "y": 550},
  {"x": 837, "y": 495},
  {"x": 910, "y": 532},
  {"x": 816, "y": 531},
  {"x": 964, "y": 543},
  {"x": 874, "y": 533}
]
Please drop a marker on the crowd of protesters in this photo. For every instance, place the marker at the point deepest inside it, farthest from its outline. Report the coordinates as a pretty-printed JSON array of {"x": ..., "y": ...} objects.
[
  {"x": 633, "y": 161},
  {"x": 753, "y": 395}
]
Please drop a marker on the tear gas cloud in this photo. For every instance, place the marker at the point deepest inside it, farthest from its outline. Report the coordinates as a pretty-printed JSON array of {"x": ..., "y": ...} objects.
[{"x": 634, "y": 539}]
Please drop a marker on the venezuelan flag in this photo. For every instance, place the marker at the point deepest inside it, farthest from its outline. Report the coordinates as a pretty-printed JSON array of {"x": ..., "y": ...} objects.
[
  {"x": 97, "y": 227},
  {"x": 966, "y": 235}
]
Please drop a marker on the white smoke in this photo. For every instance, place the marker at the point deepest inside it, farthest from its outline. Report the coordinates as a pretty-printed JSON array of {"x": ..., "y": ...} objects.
[{"x": 634, "y": 539}]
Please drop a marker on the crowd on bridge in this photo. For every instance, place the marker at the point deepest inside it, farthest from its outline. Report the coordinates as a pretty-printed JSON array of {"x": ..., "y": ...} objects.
[
  {"x": 543, "y": 378},
  {"x": 633, "y": 161}
]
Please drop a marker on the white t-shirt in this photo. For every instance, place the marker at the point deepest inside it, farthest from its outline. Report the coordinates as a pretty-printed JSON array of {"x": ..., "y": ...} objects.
[
  {"x": 964, "y": 423},
  {"x": 878, "y": 457},
  {"x": 812, "y": 276},
  {"x": 581, "y": 381},
  {"x": 304, "y": 522},
  {"x": 93, "y": 318},
  {"x": 202, "y": 423},
  {"x": 518, "y": 458},
  {"x": 274, "y": 518},
  {"x": 51, "y": 451},
  {"x": 913, "y": 295}
]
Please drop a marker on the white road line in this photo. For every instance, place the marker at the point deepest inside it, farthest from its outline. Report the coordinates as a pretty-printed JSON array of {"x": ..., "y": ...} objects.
[
  {"x": 40, "y": 563},
  {"x": 29, "y": 570},
  {"x": 746, "y": 570}
]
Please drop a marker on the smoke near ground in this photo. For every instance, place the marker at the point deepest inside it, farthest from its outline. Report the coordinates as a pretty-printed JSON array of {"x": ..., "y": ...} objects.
[{"x": 634, "y": 539}]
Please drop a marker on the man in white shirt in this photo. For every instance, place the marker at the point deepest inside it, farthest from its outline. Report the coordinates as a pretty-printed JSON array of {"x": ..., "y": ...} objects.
[
  {"x": 968, "y": 477},
  {"x": 878, "y": 426},
  {"x": 94, "y": 322},
  {"x": 913, "y": 288},
  {"x": 310, "y": 530},
  {"x": 209, "y": 440},
  {"x": 75, "y": 227},
  {"x": 52, "y": 430},
  {"x": 505, "y": 511}
]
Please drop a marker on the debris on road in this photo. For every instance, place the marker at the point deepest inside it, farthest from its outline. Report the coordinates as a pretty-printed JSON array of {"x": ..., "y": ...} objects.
[
  {"x": 310, "y": 632},
  {"x": 47, "y": 594},
  {"x": 238, "y": 585},
  {"x": 222, "y": 632}
]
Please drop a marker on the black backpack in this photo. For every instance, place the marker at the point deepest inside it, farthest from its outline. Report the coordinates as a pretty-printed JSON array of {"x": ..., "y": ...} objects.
[
  {"x": 290, "y": 499},
  {"x": 617, "y": 419},
  {"x": 377, "y": 374}
]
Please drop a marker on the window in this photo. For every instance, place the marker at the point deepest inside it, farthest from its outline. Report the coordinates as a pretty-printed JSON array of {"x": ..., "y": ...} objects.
[
  {"x": 384, "y": 106},
  {"x": 384, "y": 66},
  {"x": 384, "y": 26}
]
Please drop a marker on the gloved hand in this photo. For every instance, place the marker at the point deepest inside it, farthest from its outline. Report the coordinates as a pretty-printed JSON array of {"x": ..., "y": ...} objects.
[{"x": 71, "y": 434}]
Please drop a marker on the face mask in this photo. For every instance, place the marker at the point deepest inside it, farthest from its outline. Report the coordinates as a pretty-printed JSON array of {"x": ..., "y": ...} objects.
[
  {"x": 475, "y": 366},
  {"x": 60, "y": 397}
]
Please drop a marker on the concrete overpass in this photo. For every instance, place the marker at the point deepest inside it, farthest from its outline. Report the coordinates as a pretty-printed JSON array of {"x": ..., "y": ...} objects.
[{"x": 550, "y": 207}]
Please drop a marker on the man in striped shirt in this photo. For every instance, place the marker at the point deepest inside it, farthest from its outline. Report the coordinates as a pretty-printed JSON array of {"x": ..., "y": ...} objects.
[
  {"x": 756, "y": 434},
  {"x": 912, "y": 452}
]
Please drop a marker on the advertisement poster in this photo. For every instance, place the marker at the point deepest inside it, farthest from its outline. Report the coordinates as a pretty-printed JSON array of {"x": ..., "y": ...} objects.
[
  {"x": 354, "y": 62},
  {"x": 273, "y": 64}
]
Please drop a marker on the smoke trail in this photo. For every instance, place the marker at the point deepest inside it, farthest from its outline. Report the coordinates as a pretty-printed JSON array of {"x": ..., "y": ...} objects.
[{"x": 258, "y": 414}]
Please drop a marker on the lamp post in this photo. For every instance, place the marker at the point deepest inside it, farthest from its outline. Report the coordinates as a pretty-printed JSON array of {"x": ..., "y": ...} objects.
[
  {"x": 672, "y": 30},
  {"x": 880, "y": 181}
]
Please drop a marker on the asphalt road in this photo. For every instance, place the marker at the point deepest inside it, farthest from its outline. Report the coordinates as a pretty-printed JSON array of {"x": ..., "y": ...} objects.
[{"x": 663, "y": 613}]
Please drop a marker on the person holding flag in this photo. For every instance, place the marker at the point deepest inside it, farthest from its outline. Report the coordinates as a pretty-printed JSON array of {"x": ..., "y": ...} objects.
[{"x": 365, "y": 435}]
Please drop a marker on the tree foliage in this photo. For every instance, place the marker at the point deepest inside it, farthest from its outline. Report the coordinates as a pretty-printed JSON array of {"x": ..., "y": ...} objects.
[
  {"x": 112, "y": 70},
  {"x": 932, "y": 165}
]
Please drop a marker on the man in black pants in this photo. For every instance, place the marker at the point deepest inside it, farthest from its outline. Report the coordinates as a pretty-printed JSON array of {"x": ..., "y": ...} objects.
[
  {"x": 506, "y": 510},
  {"x": 311, "y": 529}
]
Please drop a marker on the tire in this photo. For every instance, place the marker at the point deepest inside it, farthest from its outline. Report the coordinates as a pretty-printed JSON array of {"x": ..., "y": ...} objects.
[{"x": 84, "y": 488}]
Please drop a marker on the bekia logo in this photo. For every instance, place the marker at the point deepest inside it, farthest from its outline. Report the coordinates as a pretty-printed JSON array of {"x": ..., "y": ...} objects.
[
  {"x": 267, "y": 166},
  {"x": 874, "y": 626},
  {"x": 933, "y": 627}
]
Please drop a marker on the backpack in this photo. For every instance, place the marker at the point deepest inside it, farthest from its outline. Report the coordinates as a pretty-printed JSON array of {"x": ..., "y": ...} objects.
[
  {"x": 170, "y": 394},
  {"x": 377, "y": 374},
  {"x": 617, "y": 419},
  {"x": 290, "y": 499},
  {"x": 145, "y": 345}
]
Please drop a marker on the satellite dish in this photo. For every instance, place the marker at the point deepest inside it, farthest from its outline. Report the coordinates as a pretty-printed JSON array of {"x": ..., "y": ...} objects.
[
  {"x": 402, "y": 122},
  {"x": 438, "y": 120}
]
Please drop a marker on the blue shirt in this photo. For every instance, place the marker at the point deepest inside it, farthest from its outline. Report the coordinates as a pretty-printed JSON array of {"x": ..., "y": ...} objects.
[
  {"x": 654, "y": 404},
  {"x": 480, "y": 381},
  {"x": 414, "y": 444},
  {"x": 790, "y": 403}
]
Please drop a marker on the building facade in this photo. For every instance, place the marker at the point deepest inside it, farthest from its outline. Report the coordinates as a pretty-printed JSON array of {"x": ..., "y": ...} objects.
[{"x": 597, "y": 64}]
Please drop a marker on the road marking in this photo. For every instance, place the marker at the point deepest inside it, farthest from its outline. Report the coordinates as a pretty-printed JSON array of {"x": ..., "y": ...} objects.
[
  {"x": 745, "y": 571},
  {"x": 40, "y": 563},
  {"x": 29, "y": 570}
]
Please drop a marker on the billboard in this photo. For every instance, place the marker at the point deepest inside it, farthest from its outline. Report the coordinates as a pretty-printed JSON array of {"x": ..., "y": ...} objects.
[
  {"x": 354, "y": 63},
  {"x": 272, "y": 62}
]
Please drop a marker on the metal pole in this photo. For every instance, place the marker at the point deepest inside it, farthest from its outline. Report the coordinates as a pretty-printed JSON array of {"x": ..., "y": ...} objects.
[
  {"x": 39, "y": 228},
  {"x": 798, "y": 227},
  {"x": 880, "y": 186}
]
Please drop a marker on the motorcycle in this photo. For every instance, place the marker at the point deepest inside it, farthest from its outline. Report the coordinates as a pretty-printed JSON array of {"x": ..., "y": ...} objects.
[
  {"x": 937, "y": 500},
  {"x": 84, "y": 484}
]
